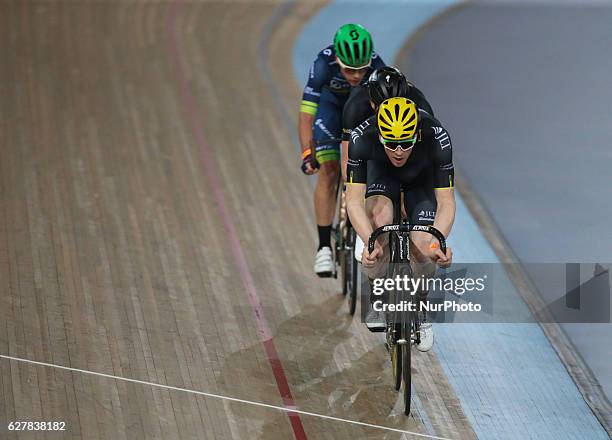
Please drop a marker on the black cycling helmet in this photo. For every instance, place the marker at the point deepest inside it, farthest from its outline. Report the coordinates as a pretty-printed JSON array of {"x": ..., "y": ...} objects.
[{"x": 386, "y": 82}]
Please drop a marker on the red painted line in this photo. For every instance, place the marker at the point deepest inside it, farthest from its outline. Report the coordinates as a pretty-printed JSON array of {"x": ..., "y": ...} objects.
[{"x": 215, "y": 183}]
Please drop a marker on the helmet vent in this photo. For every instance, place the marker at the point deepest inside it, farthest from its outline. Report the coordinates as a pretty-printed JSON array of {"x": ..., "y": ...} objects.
[
  {"x": 346, "y": 49},
  {"x": 355, "y": 54},
  {"x": 364, "y": 51}
]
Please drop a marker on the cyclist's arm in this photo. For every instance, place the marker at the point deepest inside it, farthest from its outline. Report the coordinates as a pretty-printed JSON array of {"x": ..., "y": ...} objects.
[
  {"x": 444, "y": 176},
  {"x": 419, "y": 99},
  {"x": 305, "y": 122},
  {"x": 346, "y": 133},
  {"x": 377, "y": 61},
  {"x": 357, "y": 173},
  {"x": 344, "y": 147},
  {"x": 445, "y": 212},
  {"x": 355, "y": 111},
  {"x": 355, "y": 205},
  {"x": 318, "y": 77}
]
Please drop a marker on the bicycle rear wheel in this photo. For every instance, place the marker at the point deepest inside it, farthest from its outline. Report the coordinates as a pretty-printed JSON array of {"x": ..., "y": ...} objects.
[
  {"x": 344, "y": 269},
  {"x": 341, "y": 238},
  {"x": 352, "y": 269}
]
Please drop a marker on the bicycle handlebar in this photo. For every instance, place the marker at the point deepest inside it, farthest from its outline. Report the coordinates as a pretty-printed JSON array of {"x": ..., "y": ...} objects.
[{"x": 406, "y": 228}]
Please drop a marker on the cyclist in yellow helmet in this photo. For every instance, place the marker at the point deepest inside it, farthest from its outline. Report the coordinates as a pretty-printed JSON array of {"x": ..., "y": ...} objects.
[
  {"x": 401, "y": 148},
  {"x": 384, "y": 83}
]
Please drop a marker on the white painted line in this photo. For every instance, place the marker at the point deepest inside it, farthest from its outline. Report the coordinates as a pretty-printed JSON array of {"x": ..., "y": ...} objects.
[{"x": 217, "y": 396}]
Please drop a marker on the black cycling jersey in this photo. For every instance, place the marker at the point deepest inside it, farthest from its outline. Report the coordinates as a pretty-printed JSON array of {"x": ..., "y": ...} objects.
[
  {"x": 357, "y": 108},
  {"x": 430, "y": 163}
]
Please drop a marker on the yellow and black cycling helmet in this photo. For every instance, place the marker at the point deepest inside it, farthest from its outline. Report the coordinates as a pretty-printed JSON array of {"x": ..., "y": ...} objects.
[{"x": 397, "y": 119}]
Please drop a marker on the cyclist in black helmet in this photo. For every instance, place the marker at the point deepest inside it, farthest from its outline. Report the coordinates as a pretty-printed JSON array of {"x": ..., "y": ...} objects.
[{"x": 383, "y": 83}]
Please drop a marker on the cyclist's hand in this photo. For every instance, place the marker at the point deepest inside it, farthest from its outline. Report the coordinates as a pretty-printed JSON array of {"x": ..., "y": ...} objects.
[
  {"x": 439, "y": 257},
  {"x": 369, "y": 259},
  {"x": 309, "y": 163},
  {"x": 309, "y": 169}
]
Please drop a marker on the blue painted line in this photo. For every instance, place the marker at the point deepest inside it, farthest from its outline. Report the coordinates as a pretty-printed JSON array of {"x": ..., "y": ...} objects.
[
  {"x": 509, "y": 380},
  {"x": 420, "y": 409}
]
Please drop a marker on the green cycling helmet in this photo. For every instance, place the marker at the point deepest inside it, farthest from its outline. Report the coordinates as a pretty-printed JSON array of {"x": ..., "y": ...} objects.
[{"x": 353, "y": 46}]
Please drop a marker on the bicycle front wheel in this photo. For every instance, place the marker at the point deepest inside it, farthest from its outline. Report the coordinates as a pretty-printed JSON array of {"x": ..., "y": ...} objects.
[
  {"x": 406, "y": 366},
  {"x": 395, "y": 351}
]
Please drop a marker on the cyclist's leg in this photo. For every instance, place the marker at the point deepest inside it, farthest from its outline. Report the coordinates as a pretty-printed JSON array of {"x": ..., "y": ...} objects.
[
  {"x": 327, "y": 125},
  {"x": 380, "y": 193},
  {"x": 380, "y": 212},
  {"x": 420, "y": 204}
]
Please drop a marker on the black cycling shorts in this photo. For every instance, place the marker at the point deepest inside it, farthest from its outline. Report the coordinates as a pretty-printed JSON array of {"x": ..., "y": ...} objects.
[{"x": 419, "y": 196}]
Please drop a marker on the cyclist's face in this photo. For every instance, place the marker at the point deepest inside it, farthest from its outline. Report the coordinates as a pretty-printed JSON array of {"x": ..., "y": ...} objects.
[
  {"x": 398, "y": 157},
  {"x": 353, "y": 76}
]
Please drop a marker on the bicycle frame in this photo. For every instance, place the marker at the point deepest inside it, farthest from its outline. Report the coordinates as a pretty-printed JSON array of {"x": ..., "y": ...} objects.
[
  {"x": 403, "y": 328},
  {"x": 400, "y": 250}
]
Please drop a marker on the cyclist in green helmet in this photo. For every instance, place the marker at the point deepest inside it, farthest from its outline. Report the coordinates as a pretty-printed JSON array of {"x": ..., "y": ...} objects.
[
  {"x": 344, "y": 64},
  {"x": 353, "y": 46}
]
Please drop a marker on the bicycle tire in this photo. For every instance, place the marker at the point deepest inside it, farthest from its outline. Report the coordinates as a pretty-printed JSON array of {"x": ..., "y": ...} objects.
[
  {"x": 395, "y": 352},
  {"x": 404, "y": 328},
  {"x": 341, "y": 245},
  {"x": 353, "y": 268},
  {"x": 406, "y": 366},
  {"x": 395, "y": 349},
  {"x": 344, "y": 258},
  {"x": 336, "y": 245},
  {"x": 345, "y": 261}
]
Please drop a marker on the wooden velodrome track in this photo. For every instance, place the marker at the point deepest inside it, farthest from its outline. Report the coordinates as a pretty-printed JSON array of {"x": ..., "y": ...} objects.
[{"x": 154, "y": 225}]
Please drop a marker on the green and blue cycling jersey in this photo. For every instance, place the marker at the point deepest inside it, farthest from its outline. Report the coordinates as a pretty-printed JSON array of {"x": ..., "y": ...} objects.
[{"x": 324, "y": 96}]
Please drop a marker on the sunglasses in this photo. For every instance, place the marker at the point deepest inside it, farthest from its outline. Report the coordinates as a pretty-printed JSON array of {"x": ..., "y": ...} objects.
[
  {"x": 405, "y": 145},
  {"x": 350, "y": 70}
]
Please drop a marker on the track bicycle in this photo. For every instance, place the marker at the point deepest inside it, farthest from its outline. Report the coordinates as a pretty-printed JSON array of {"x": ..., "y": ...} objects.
[
  {"x": 403, "y": 327},
  {"x": 344, "y": 238}
]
